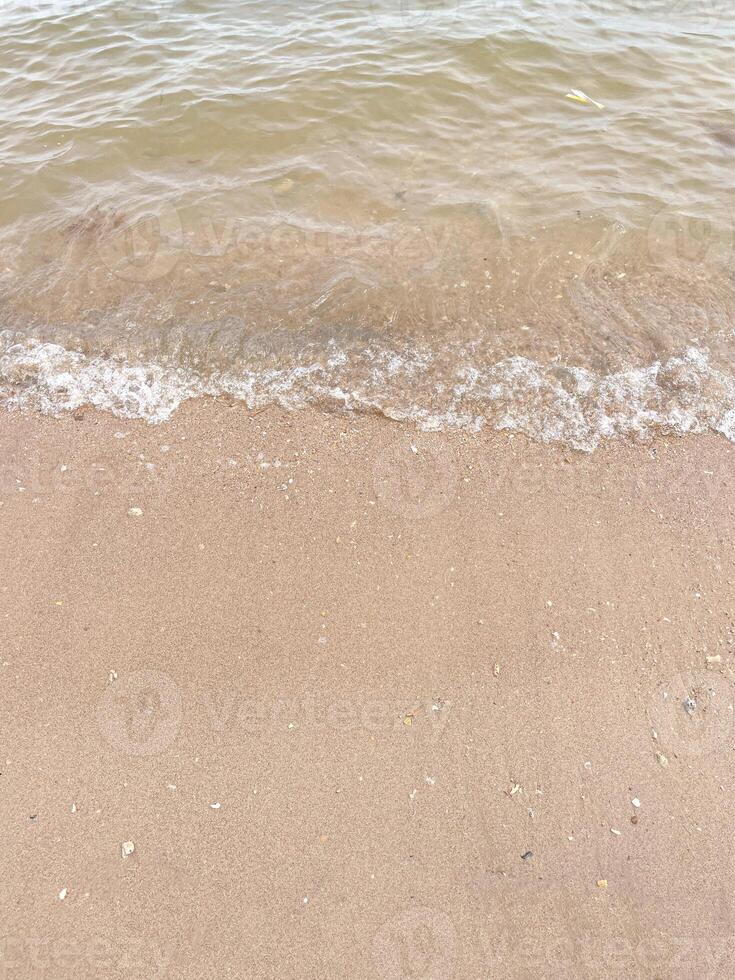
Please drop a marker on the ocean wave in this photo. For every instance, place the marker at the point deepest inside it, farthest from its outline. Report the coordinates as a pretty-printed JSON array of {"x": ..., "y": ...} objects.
[{"x": 453, "y": 389}]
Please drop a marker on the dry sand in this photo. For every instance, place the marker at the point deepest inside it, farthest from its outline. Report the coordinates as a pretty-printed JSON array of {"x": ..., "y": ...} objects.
[{"x": 338, "y": 677}]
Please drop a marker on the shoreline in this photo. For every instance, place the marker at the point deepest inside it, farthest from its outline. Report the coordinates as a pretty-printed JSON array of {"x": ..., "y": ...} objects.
[
  {"x": 419, "y": 672},
  {"x": 463, "y": 387}
]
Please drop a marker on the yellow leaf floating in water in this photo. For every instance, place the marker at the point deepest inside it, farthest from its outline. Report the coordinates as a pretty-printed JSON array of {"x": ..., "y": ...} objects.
[{"x": 576, "y": 96}]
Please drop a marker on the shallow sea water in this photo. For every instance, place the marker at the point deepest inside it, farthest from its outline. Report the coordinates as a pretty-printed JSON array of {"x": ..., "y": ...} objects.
[{"x": 388, "y": 206}]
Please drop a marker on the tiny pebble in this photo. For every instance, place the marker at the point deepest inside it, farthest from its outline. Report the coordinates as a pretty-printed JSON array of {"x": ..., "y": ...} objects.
[
  {"x": 126, "y": 848},
  {"x": 215, "y": 806},
  {"x": 62, "y": 894},
  {"x": 135, "y": 512},
  {"x": 635, "y": 801},
  {"x": 661, "y": 759},
  {"x": 602, "y": 882}
]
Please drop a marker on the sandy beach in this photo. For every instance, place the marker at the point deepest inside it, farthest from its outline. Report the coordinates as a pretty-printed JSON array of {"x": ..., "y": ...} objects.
[
  {"x": 305, "y": 695},
  {"x": 367, "y": 452}
]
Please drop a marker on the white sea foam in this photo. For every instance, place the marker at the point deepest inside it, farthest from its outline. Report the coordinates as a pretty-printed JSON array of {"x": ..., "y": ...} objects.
[{"x": 552, "y": 402}]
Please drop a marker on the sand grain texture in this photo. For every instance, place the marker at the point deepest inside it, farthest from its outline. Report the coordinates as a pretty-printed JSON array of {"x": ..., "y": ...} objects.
[{"x": 312, "y": 645}]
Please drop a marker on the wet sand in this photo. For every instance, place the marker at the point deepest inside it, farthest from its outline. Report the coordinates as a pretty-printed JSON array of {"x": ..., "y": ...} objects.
[{"x": 367, "y": 702}]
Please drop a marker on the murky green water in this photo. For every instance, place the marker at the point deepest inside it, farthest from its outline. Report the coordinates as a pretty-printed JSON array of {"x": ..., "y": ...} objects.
[{"x": 388, "y": 205}]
